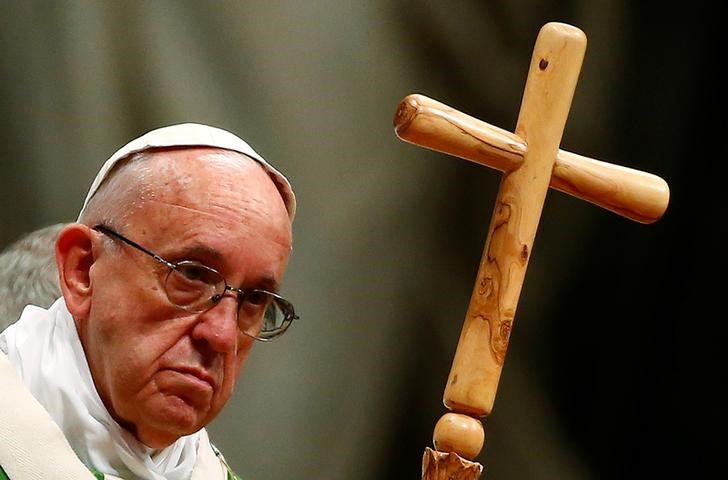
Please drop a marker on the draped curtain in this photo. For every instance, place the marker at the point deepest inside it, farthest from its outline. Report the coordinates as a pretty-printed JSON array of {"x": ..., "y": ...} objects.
[{"x": 608, "y": 355}]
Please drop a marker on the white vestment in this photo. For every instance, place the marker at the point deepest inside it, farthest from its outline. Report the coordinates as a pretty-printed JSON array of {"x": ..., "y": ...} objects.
[{"x": 53, "y": 424}]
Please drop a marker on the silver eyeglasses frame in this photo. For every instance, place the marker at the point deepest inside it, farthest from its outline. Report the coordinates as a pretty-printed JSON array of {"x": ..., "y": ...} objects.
[{"x": 286, "y": 307}]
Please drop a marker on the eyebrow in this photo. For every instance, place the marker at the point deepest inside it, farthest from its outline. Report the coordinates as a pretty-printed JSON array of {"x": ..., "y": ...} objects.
[
  {"x": 201, "y": 251},
  {"x": 269, "y": 283}
]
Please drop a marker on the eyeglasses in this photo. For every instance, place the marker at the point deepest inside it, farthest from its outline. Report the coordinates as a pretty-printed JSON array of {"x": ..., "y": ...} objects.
[{"x": 195, "y": 287}]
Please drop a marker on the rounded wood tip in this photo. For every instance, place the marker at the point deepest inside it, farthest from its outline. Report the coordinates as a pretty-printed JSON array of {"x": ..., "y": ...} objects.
[
  {"x": 654, "y": 201},
  {"x": 563, "y": 30},
  {"x": 406, "y": 112},
  {"x": 458, "y": 433}
]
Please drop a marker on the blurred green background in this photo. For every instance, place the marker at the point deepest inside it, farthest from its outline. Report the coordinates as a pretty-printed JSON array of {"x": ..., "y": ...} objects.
[{"x": 613, "y": 369}]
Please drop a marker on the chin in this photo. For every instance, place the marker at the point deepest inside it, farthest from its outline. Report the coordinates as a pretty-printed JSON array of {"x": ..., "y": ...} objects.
[{"x": 163, "y": 424}]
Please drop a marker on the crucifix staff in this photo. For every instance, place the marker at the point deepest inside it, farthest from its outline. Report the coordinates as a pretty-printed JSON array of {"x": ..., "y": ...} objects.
[{"x": 531, "y": 162}]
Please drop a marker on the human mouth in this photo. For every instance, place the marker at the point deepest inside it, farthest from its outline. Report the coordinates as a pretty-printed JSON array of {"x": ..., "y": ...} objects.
[{"x": 196, "y": 375}]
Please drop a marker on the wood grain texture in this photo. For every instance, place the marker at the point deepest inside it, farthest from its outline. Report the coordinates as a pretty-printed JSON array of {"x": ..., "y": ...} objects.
[
  {"x": 455, "y": 432},
  {"x": 481, "y": 351},
  {"x": 531, "y": 162},
  {"x": 448, "y": 466},
  {"x": 631, "y": 193}
]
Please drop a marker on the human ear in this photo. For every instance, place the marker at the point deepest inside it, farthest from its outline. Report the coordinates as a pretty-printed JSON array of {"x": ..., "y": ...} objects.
[{"x": 74, "y": 257}]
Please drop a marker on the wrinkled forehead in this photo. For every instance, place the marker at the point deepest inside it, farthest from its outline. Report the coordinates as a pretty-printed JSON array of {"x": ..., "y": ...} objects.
[
  {"x": 204, "y": 193},
  {"x": 206, "y": 173}
]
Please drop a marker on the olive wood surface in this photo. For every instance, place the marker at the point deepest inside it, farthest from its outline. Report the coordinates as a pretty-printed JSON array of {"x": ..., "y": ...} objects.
[{"x": 528, "y": 160}]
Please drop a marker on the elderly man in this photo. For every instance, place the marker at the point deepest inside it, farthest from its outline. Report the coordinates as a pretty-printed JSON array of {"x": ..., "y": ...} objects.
[{"x": 168, "y": 277}]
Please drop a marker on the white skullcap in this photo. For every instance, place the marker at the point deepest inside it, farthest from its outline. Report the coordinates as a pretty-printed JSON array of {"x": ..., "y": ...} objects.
[{"x": 193, "y": 135}]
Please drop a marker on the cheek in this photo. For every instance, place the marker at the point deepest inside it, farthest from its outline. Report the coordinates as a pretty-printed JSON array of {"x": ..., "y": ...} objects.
[
  {"x": 128, "y": 360},
  {"x": 245, "y": 345},
  {"x": 112, "y": 364},
  {"x": 234, "y": 365},
  {"x": 124, "y": 347}
]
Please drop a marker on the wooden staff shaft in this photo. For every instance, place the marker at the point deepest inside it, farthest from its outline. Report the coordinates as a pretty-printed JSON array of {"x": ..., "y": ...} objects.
[
  {"x": 476, "y": 368},
  {"x": 531, "y": 161},
  {"x": 634, "y": 194},
  {"x": 552, "y": 77}
]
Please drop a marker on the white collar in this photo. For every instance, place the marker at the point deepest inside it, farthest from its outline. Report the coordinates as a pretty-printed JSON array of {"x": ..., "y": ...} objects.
[{"x": 44, "y": 348}]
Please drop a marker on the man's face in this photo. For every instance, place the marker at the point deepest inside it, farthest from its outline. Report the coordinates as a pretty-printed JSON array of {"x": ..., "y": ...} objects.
[{"x": 161, "y": 371}]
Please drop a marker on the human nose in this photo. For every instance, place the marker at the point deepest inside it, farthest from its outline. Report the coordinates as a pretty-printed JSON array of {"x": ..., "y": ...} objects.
[{"x": 218, "y": 326}]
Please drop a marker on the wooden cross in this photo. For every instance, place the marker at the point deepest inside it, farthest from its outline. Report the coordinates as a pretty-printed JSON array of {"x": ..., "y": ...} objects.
[{"x": 531, "y": 161}]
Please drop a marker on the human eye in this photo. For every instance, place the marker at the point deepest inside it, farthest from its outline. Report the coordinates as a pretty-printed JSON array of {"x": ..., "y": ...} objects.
[
  {"x": 259, "y": 298},
  {"x": 189, "y": 282},
  {"x": 192, "y": 272},
  {"x": 254, "y": 307},
  {"x": 196, "y": 273}
]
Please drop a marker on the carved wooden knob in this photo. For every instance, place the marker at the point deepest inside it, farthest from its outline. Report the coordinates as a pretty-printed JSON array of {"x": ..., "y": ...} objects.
[{"x": 460, "y": 434}]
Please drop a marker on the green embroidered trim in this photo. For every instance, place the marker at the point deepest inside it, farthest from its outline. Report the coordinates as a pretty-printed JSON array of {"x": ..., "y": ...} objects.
[
  {"x": 97, "y": 474},
  {"x": 231, "y": 475},
  {"x": 4, "y": 476}
]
